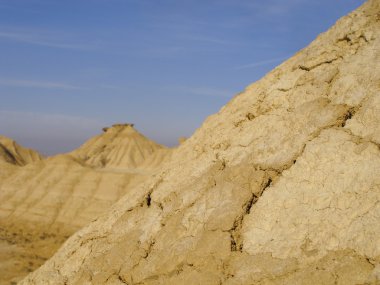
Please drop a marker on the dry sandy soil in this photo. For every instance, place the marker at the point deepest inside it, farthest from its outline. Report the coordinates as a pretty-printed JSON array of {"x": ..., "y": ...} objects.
[
  {"x": 281, "y": 186},
  {"x": 44, "y": 201}
]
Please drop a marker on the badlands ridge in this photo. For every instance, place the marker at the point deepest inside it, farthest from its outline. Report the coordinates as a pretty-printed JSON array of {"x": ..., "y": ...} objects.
[
  {"x": 45, "y": 201},
  {"x": 281, "y": 186}
]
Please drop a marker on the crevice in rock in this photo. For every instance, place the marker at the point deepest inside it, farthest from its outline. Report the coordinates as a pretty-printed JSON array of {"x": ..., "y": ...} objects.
[
  {"x": 250, "y": 116},
  {"x": 148, "y": 199},
  {"x": 349, "y": 114},
  {"x": 332, "y": 79},
  {"x": 235, "y": 231},
  {"x": 339, "y": 123},
  {"x": 309, "y": 68},
  {"x": 361, "y": 139},
  {"x": 236, "y": 242},
  {"x": 121, "y": 279},
  {"x": 150, "y": 247},
  {"x": 371, "y": 262},
  {"x": 346, "y": 39},
  {"x": 92, "y": 239},
  {"x": 284, "y": 89}
]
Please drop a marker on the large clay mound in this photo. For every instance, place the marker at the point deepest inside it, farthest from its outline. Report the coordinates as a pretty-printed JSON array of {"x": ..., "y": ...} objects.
[
  {"x": 282, "y": 186},
  {"x": 121, "y": 147},
  {"x": 43, "y": 203}
]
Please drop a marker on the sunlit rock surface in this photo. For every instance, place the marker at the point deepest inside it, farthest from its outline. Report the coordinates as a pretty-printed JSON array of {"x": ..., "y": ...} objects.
[
  {"x": 282, "y": 186},
  {"x": 43, "y": 202}
]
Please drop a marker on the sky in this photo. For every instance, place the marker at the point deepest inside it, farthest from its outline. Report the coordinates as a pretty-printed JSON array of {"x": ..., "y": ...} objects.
[{"x": 69, "y": 68}]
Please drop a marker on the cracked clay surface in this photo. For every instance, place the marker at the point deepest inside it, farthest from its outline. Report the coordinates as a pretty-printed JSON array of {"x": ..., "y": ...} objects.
[{"x": 282, "y": 186}]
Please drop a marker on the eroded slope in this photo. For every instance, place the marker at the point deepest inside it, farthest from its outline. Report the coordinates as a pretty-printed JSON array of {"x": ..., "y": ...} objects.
[
  {"x": 11, "y": 152},
  {"x": 280, "y": 187},
  {"x": 121, "y": 147},
  {"x": 12, "y": 156}
]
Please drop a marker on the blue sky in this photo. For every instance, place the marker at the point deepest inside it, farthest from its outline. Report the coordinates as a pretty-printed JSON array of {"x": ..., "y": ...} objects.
[{"x": 69, "y": 68}]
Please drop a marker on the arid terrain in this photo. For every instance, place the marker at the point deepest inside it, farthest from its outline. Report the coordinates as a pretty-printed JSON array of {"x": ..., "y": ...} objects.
[
  {"x": 281, "y": 186},
  {"x": 44, "y": 201}
]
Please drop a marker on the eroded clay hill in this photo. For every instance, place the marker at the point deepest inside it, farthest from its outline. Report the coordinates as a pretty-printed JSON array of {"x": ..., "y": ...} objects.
[
  {"x": 282, "y": 186},
  {"x": 11, "y": 152},
  {"x": 43, "y": 203},
  {"x": 121, "y": 147},
  {"x": 12, "y": 155}
]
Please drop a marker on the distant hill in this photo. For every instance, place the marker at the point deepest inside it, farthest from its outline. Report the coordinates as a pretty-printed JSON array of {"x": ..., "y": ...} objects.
[
  {"x": 123, "y": 147},
  {"x": 11, "y": 152},
  {"x": 44, "y": 202},
  {"x": 13, "y": 156}
]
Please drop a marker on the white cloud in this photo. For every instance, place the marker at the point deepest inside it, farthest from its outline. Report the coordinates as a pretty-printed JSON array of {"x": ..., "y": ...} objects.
[
  {"x": 38, "y": 84},
  {"x": 42, "y": 39}
]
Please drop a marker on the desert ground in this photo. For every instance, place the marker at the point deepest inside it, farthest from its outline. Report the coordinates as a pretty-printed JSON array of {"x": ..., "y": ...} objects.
[
  {"x": 281, "y": 186},
  {"x": 45, "y": 200}
]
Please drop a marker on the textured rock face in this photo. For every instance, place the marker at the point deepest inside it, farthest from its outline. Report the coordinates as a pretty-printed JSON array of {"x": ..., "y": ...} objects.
[
  {"x": 13, "y": 153},
  {"x": 121, "y": 147},
  {"x": 43, "y": 203},
  {"x": 280, "y": 187}
]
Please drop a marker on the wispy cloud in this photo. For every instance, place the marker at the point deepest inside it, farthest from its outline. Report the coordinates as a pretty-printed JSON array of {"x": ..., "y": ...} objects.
[
  {"x": 38, "y": 84},
  {"x": 205, "y": 39},
  {"x": 262, "y": 62},
  {"x": 267, "y": 8},
  {"x": 203, "y": 91},
  {"x": 48, "y": 40},
  {"x": 161, "y": 51},
  {"x": 188, "y": 30}
]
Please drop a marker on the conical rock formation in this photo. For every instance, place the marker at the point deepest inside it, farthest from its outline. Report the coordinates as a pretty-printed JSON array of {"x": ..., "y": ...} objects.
[
  {"x": 121, "y": 147},
  {"x": 280, "y": 187}
]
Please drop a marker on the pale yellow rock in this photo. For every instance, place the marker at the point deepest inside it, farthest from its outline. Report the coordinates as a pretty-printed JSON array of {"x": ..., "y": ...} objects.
[
  {"x": 13, "y": 153},
  {"x": 121, "y": 147},
  {"x": 6, "y": 169},
  {"x": 181, "y": 140},
  {"x": 12, "y": 156},
  {"x": 43, "y": 203},
  {"x": 280, "y": 187},
  {"x": 323, "y": 204}
]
